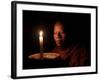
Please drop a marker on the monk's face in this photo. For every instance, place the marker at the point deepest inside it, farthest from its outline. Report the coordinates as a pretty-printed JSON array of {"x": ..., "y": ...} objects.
[{"x": 59, "y": 34}]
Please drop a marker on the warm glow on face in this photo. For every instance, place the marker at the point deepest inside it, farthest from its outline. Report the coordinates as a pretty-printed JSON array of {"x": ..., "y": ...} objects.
[{"x": 59, "y": 34}]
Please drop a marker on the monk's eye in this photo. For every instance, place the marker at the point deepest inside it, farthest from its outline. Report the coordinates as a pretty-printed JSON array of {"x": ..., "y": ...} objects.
[{"x": 62, "y": 33}]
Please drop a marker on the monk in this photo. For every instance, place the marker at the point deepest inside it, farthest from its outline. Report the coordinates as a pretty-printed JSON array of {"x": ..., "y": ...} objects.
[{"x": 74, "y": 54}]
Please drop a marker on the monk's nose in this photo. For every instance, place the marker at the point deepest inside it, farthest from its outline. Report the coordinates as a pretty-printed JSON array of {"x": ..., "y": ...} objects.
[{"x": 59, "y": 35}]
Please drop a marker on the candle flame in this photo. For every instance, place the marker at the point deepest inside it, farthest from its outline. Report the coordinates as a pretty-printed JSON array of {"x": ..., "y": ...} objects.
[
  {"x": 41, "y": 37},
  {"x": 41, "y": 41},
  {"x": 41, "y": 33}
]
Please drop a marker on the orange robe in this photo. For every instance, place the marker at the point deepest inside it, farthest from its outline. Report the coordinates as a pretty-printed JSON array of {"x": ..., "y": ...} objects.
[{"x": 73, "y": 55}]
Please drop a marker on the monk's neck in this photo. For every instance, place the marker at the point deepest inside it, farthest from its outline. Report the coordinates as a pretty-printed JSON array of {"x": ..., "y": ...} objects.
[{"x": 59, "y": 47}]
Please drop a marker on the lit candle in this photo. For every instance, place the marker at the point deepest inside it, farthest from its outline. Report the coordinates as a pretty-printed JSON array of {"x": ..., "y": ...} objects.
[{"x": 41, "y": 42}]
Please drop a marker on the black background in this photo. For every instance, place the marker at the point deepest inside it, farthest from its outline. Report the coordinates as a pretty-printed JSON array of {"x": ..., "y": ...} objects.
[{"x": 77, "y": 27}]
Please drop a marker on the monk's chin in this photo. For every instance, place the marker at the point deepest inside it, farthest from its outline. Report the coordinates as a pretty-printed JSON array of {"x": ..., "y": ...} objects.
[{"x": 59, "y": 45}]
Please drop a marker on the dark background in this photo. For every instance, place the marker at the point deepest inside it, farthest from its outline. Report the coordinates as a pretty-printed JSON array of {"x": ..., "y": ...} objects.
[{"x": 77, "y": 27}]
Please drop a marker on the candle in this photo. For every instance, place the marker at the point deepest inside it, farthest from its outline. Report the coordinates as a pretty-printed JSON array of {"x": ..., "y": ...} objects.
[{"x": 41, "y": 42}]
